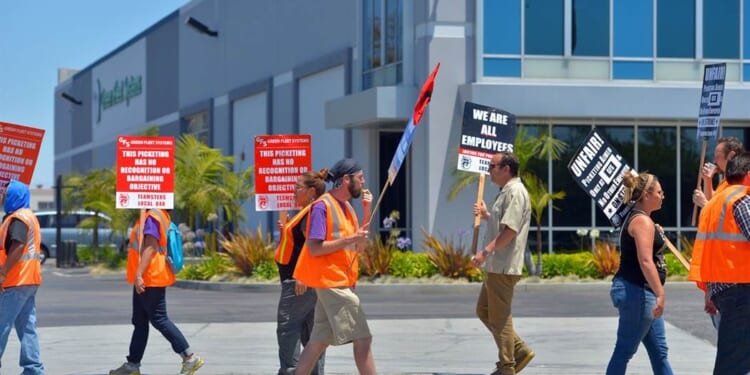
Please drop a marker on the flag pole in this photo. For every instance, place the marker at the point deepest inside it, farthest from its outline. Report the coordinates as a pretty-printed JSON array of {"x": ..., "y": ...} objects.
[
  {"x": 377, "y": 204},
  {"x": 478, "y": 216}
]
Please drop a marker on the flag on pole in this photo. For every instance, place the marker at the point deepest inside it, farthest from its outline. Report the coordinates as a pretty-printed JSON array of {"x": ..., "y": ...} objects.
[{"x": 403, "y": 145}]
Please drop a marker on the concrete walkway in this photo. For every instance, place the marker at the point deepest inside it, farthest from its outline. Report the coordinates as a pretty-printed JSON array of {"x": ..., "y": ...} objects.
[{"x": 579, "y": 346}]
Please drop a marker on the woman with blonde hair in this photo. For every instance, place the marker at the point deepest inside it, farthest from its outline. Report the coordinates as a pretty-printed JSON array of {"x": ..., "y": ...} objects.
[
  {"x": 638, "y": 286},
  {"x": 296, "y": 310}
]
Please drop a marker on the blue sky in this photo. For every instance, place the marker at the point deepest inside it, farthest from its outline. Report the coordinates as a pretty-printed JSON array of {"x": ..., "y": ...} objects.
[{"x": 39, "y": 36}]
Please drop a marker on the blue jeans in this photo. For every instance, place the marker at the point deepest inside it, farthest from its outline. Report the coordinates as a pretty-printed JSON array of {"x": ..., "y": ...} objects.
[
  {"x": 151, "y": 307},
  {"x": 294, "y": 323},
  {"x": 637, "y": 324},
  {"x": 18, "y": 306},
  {"x": 733, "y": 345}
]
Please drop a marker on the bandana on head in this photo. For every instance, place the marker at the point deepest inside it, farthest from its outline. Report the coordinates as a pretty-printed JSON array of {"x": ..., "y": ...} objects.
[
  {"x": 17, "y": 196},
  {"x": 342, "y": 168}
]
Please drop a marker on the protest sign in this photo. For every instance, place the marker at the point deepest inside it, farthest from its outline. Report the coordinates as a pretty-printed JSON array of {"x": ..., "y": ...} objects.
[
  {"x": 19, "y": 150},
  {"x": 485, "y": 132},
  {"x": 712, "y": 96},
  {"x": 598, "y": 169},
  {"x": 145, "y": 172},
  {"x": 279, "y": 160}
]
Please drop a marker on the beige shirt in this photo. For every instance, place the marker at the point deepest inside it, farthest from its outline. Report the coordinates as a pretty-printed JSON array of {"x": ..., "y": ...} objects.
[{"x": 511, "y": 209}]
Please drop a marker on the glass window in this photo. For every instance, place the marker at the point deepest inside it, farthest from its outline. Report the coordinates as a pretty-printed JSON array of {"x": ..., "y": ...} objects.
[
  {"x": 746, "y": 33},
  {"x": 633, "y": 70},
  {"x": 657, "y": 154},
  {"x": 543, "y": 27},
  {"x": 721, "y": 29},
  {"x": 575, "y": 209},
  {"x": 621, "y": 139},
  {"x": 502, "y": 27},
  {"x": 534, "y": 165},
  {"x": 382, "y": 47},
  {"x": 633, "y": 28},
  {"x": 675, "y": 28},
  {"x": 393, "y": 29},
  {"x": 590, "y": 28},
  {"x": 502, "y": 67},
  {"x": 198, "y": 126}
]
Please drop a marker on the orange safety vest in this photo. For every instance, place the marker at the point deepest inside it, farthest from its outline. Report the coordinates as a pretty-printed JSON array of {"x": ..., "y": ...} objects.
[
  {"x": 721, "y": 252},
  {"x": 28, "y": 269},
  {"x": 286, "y": 245},
  {"x": 158, "y": 273},
  {"x": 331, "y": 270}
]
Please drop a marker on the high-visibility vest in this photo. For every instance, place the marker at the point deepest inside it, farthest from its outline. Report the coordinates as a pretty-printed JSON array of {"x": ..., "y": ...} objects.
[
  {"x": 158, "y": 273},
  {"x": 339, "y": 268},
  {"x": 286, "y": 244},
  {"x": 28, "y": 269},
  {"x": 721, "y": 252}
]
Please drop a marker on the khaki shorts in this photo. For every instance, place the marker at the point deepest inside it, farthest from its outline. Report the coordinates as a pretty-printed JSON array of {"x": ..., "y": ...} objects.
[{"x": 339, "y": 318}]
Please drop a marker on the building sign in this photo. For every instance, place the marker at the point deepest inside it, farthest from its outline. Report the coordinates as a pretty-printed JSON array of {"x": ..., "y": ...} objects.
[
  {"x": 279, "y": 160},
  {"x": 19, "y": 149},
  {"x": 485, "y": 132},
  {"x": 145, "y": 172},
  {"x": 598, "y": 169},
  {"x": 118, "y": 92},
  {"x": 712, "y": 95},
  {"x": 121, "y": 92}
]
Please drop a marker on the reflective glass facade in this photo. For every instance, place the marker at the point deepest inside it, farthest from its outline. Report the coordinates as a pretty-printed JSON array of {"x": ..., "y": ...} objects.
[
  {"x": 671, "y": 152},
  {"x": 653, "y": 40}
]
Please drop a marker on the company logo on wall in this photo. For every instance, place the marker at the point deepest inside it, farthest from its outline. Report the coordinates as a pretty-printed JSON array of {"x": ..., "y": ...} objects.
[
  {"x": 122, "y": 91},
  {"x": 119, "y": 91}
]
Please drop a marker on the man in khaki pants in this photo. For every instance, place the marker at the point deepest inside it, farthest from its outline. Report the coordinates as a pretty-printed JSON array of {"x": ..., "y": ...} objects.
[{"x": 505, "y": 241}]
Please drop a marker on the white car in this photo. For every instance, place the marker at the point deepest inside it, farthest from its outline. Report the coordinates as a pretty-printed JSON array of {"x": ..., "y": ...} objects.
[{"x": 70, "y": 230}]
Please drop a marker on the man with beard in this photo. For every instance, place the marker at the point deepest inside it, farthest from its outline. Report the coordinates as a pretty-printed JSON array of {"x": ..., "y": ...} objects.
[
  {"x": 726, "y": 149},
  {"x": 330, "y": 263}
]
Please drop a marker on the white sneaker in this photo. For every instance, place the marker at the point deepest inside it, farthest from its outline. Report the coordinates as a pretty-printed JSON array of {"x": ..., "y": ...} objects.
[{"x": 191, "y": 366}]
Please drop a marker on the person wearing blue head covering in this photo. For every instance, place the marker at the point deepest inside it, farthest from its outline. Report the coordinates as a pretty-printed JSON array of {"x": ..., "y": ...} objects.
[{"x": 20, "y": 275}]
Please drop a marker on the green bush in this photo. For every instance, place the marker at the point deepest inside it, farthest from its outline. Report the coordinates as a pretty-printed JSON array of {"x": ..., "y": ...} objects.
[
  {"x": 409, "y": 264},
  {"x": 108, "y": 256},
  {"x": 674, "y": 267},
  {"x": 266, "y": 271},
  {"x": 579, "y": 264},
  {"x": 216, "y": 264}
]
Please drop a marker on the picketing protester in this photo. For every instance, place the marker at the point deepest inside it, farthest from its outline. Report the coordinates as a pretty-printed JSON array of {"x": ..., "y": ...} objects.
[
  {"x": 20, "y": 275},
  {"x": 508, "y": 220},
  {"x": 638, "y": 286},
  {"x": 150, "y": 275},
  {"x": 295, "y": 314},
  {"x": 721, "y": 266},
  {"x": 330, "y": 264}
]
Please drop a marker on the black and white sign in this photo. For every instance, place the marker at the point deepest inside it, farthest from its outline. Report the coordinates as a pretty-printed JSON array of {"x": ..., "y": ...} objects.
[
  {"x": 598, "y": 169},
  {"x": 485, "y": 132},
  {"x": 712, "y": 96}
]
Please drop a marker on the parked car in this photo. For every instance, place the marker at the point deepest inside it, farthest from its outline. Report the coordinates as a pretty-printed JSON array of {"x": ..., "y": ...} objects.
[{"x": 70, "y": 230}]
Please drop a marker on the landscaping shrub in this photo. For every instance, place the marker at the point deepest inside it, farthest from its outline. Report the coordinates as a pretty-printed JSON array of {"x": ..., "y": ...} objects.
[
  {"x": 213, "y": 265},
  {"x": 247, "y": 250},
  {"x": 266, "y": 271},
  {"x": 605, "y": 258},
  {"x": 452, "y": 259},
  {"x": 376, "y": 259},
  {"x": 579, "y": 264},
  {"x": 408, "y": 264}
]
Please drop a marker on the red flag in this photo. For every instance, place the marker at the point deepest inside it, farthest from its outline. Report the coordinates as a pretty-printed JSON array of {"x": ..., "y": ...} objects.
[{"x": 424, "y": 96}]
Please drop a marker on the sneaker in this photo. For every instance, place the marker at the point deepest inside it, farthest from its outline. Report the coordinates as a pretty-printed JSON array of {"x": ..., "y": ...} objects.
[
  {"x": 522, "y": 362},
  {"x": 191, "y": 366},
  {"x": 126, "y": 369}
]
